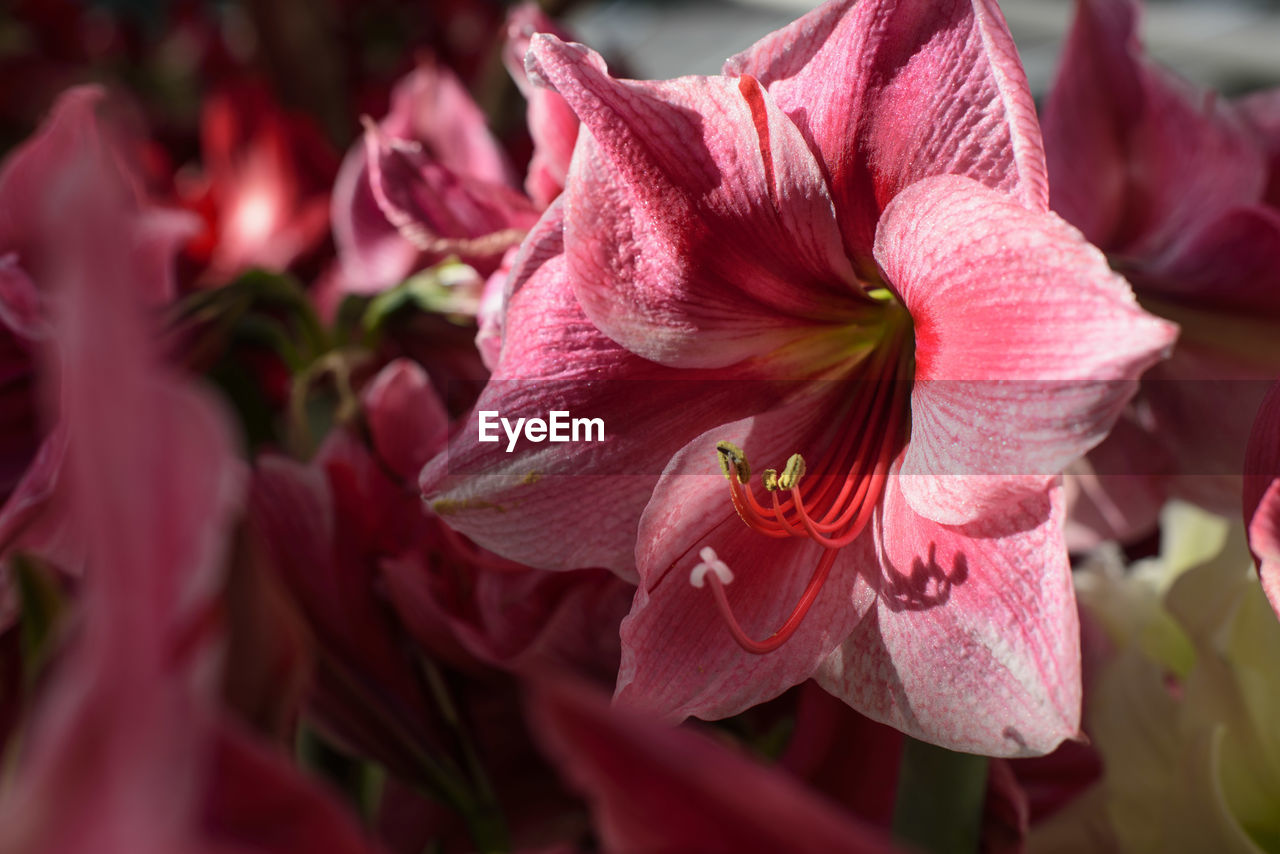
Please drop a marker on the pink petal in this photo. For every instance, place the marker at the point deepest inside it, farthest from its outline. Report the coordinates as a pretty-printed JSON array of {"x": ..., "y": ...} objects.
[
  {"x": 552, "y": 122},
  {"x": 366, "y": 679},
  {"x": 1262, "y": 495},
  {"x": 974, "y": 642},
  {"x": 654, "y": 789},
  {"x": 829, "y": 739},
  {"x": 1098, "y": 91},
  {"x": 1139, "y": 159},
  {"x": 490, "y": 316},
  {"x": 471, "y": 485},
  {"x": 374, "y": 254},
  {"x": 679, "y": 658},
  {"x": 698, "y": 225},
  {"x": 1231, "y": 264},
  {"x": 20, "y": 427},
  {"x": 1264, "y": 539},
  {"x": 438, "y": 210},
  {"x": 256, "y": 800},
  {"x": 32, "y": 169},
  {"x": 1006, "y": 813},
  {"x": 130, "y": 705},
  {"x": 888, "y": 93},
  {"x": 74, "y": 128},
  {"x": 524, "y": 620},
  {"x": 140, "y": 414},
  {"x": 32, "y": 252},
  {"x": 1027, "y": 345},
  {"x": 1207, "y": 453},
  {"x": 154, "y": 487},
  {"x": 127, "y": 718},
  {"x": 554, "y": 358},
  {"x": 1117, "y": 490},
  {"x": 407, "y": 421},
  {"x": 34, "y": 516},
  {"x": 21, "y": 310},
  {"x": 1261, "y": 111},
  {"x": 431, "y": 106}
]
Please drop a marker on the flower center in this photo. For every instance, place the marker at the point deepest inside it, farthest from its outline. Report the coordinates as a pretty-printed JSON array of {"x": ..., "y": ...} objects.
[{"x": 831, "y": 500}]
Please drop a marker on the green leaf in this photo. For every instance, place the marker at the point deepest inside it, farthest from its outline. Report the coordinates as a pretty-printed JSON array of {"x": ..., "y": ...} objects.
[{"x": 450, "y": 288}]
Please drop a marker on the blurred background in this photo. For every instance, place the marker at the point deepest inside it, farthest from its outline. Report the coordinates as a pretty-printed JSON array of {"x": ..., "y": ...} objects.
[
  {"x": 335, "y": 59},
  {"x": 1231, "y": 45}
]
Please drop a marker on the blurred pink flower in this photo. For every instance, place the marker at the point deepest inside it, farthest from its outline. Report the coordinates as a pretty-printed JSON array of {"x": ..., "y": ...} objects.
[
  {"x": 126, "y": 749},
  {"x": 1261, "y": 112},
  {"x": 263, "y": 188},
  {"x": 859, "y": 205},
  {"x": 350, "y": 539},
  {"x": 452, "y": 595},
  {"x": 384, "y": 586},
  {"x": 427, "y": 181},
  {"x": 34, "y": 514},
  {"x": 1169, "y": 181},
  {"x": 430, "y": 179}
]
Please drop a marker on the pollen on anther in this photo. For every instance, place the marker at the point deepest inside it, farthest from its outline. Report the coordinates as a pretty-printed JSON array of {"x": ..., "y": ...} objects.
[
  {"x": 733, "y": 460},
  {"x": 710, "y": 563},
  {"x": 792, "y": 472}
]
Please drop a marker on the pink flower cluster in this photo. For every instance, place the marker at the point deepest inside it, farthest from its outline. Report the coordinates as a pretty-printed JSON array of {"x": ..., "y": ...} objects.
[{"x": 301, "y": 554}]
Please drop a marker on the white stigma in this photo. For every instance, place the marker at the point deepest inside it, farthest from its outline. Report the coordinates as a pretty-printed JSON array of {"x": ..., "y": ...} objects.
[{"x": 710, "y": 563}]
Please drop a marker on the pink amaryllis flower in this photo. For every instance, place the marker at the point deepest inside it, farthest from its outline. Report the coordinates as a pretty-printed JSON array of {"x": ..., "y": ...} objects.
[
  {"x": 1262, "y": 494},
  {"x": 836, "y": 259},
  {"x": 1172, "y": 183},
  {"x": 430, "y": 179},
  {"x": 427, "y": 181}
]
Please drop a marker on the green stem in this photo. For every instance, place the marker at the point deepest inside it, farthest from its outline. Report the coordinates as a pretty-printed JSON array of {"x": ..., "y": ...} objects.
[
  {"x": 940, "y": 798},
  {"x": 484, "y": 818}
]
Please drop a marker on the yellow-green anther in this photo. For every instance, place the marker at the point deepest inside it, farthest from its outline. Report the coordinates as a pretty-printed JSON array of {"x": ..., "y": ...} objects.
[
  {"x": 733, "y": 460},
  {"x": 771, "y": 479},
  {"x": 792, "y": 472}
]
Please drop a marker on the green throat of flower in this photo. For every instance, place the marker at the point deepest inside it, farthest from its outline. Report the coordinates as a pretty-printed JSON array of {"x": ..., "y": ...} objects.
[{"x": 830, "y": 495}]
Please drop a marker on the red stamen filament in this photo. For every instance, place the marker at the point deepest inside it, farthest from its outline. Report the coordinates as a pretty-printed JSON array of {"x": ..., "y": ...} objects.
[
  {"x": 784, "y": 633},
  {"x": 810, "y": 509}
]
